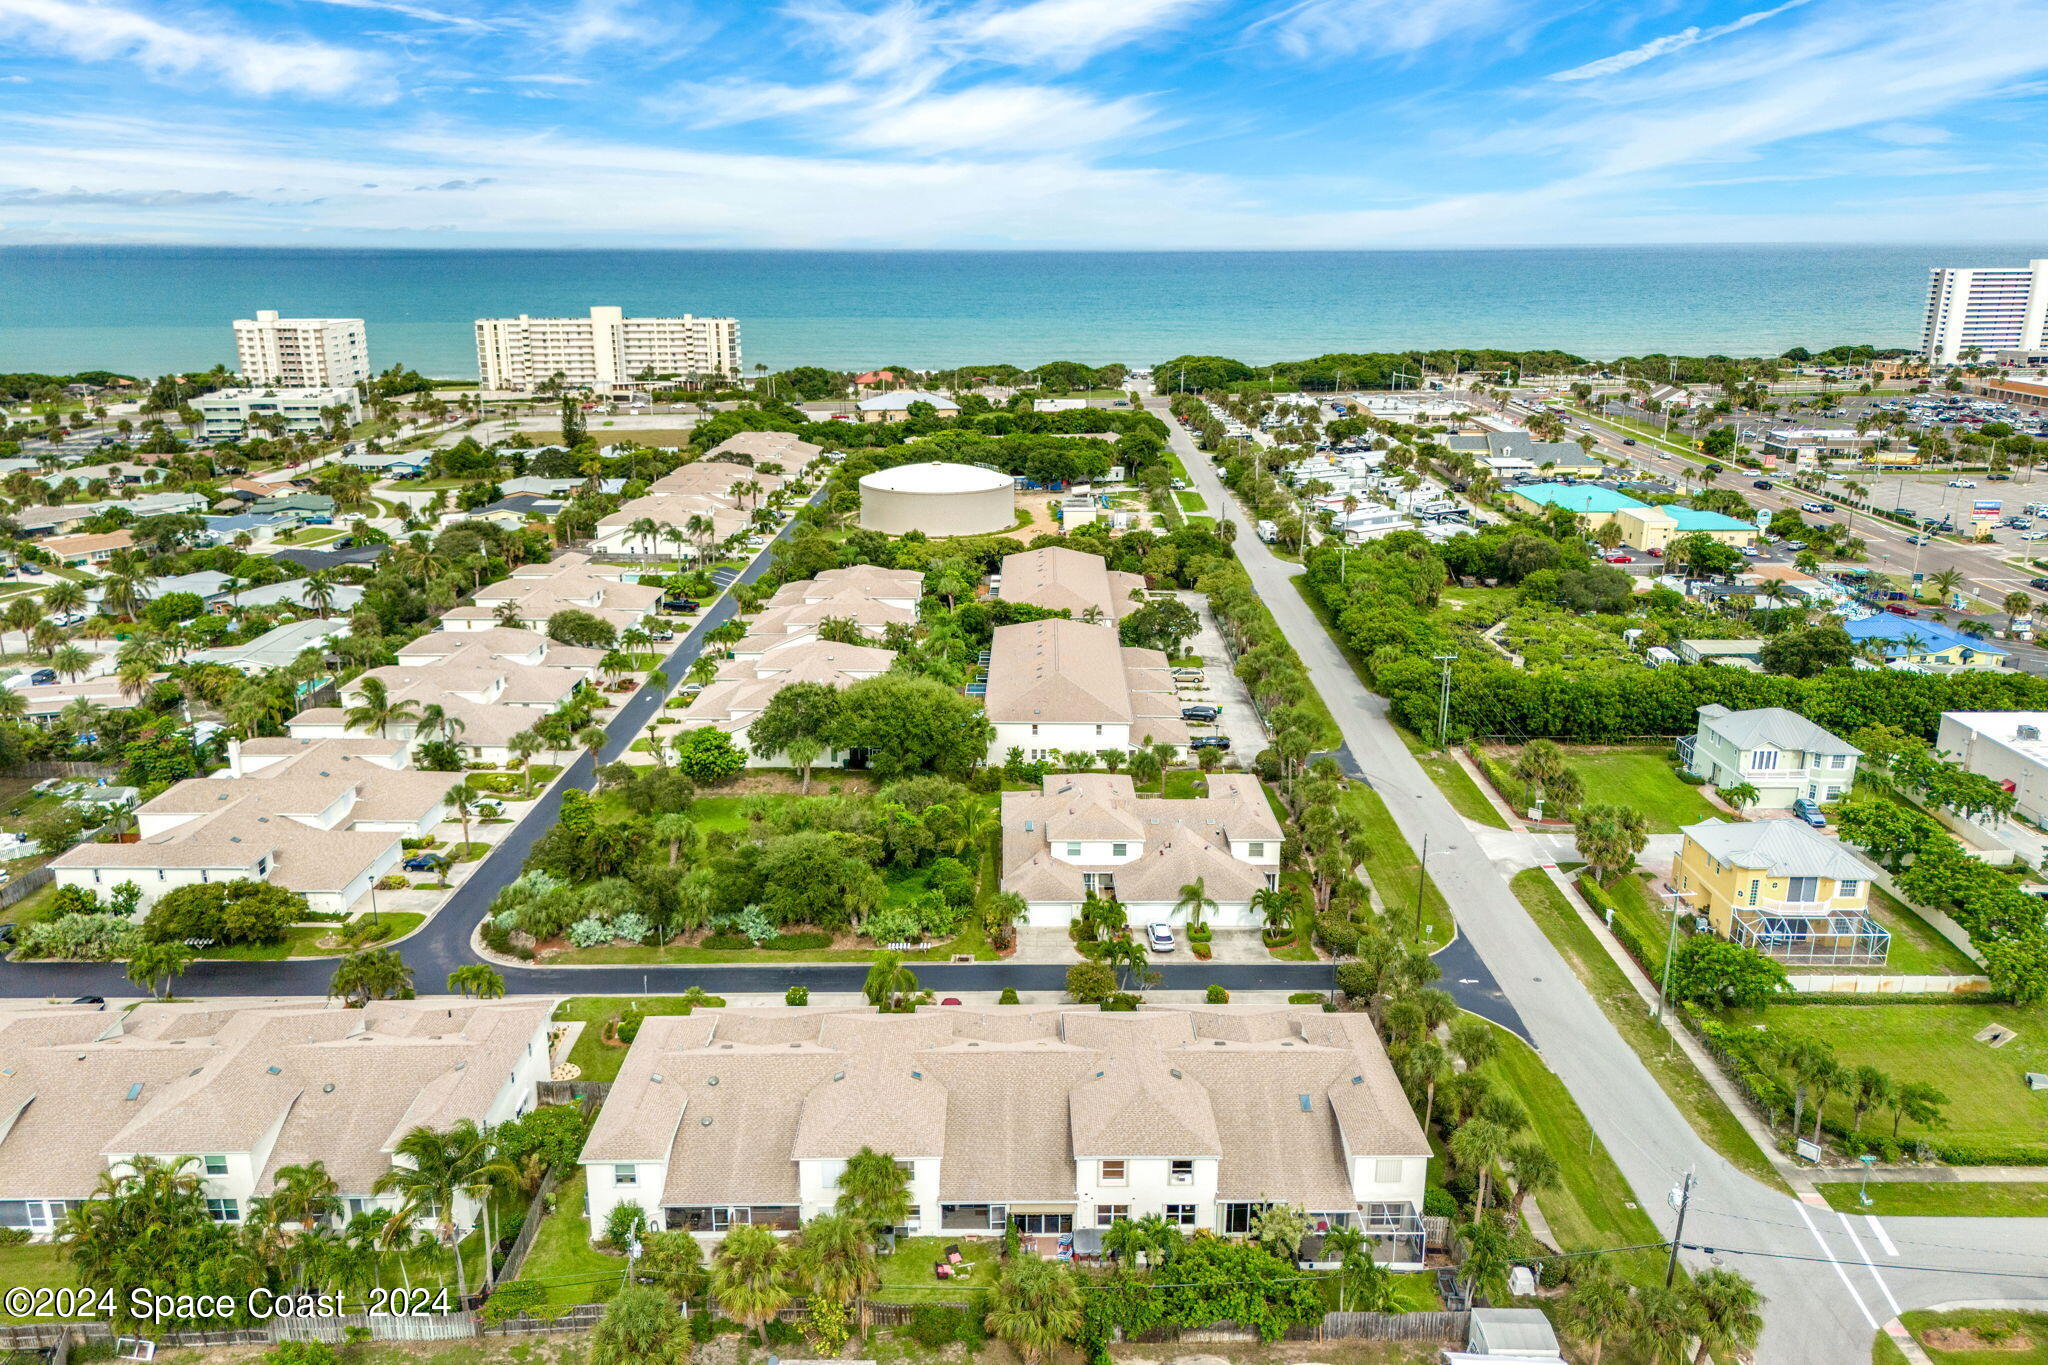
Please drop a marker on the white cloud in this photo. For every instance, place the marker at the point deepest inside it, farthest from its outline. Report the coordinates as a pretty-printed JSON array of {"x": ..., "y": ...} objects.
[
  {"x": 593, "y": 23},
  {"x": 1069, "y": 32},
  {"x": 1334, "y": 28},
  {"x": 1668, "y": 43},
  {"x": 92, "y": 31},
  {"x": 1909, "y": 134},
  {"x": 1023, "y": 118},
  {"x": 717, "y": 103},
  {"x": 420, "y": 12}
]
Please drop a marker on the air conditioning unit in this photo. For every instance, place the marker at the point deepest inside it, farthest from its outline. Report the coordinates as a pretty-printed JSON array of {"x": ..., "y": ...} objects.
[{"x": 2032, "y": 732}]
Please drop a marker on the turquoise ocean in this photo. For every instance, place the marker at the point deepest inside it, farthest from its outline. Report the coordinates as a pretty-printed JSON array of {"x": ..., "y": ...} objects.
[{"x": 147, "y": 310}]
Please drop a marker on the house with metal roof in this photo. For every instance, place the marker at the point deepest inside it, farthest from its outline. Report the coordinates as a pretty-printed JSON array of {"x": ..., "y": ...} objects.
[
  {"x": 1917, "y": 643},
  {"x": 1061, "y": 1121},
  {"x": 1782, "y": 888},
  {"x": 1781, "y": 753}
]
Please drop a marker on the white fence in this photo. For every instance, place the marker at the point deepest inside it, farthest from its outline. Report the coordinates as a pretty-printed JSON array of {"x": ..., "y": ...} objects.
[{"x": 1873, "y": 984}]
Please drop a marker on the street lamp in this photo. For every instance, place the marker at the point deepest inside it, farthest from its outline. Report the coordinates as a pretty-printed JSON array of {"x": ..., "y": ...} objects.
[
  {"x": 1674, "y": 901},
  {"x": 1422, "y": 881}
]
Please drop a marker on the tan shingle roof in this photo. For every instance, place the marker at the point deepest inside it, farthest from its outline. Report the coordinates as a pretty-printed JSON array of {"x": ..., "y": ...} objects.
[
  {"x": 1056, "y": 577},
  {"x": 1183, "y": 838},
  {"x": 1057, "y": 671}
]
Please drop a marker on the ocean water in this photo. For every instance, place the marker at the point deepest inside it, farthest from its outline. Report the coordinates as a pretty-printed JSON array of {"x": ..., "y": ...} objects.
[{"x": 147, "y": 310}]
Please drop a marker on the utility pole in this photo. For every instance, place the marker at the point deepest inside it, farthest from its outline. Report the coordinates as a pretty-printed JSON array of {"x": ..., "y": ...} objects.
[
  {"x": 1673, "y": 901},
  {"x": 1421, "y": 881},
  {"x": 1443, "y": 709},
  {"x": 1682, "y": 1197}
]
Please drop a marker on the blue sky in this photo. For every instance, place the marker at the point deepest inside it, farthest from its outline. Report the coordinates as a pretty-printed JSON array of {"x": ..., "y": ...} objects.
[{"x": 1048, "y": 123}]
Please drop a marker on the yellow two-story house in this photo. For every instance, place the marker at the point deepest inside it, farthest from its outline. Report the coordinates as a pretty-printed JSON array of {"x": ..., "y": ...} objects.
[{"x": 1784, "y": 889}]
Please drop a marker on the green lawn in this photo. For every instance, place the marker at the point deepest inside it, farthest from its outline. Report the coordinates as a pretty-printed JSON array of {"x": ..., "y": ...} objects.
[
  {"x": 598, "y": 1060},
  {"x": 33, "y": 1266},
  {"x": 1604, "y": 980},
  {"x": 1592, "y": 1207},
  {"x": 563, "y": 1258},
  {"x": 2007, "y": 1331},
  {"x": 1460, "y": 790},
  {"x": 1934, "y": 1042},
  {"x": 1392, "y": 864},
  {"x": 1943, "y": 1198},
  {"x": 1642, "y": 779},
  {"x": 302, "y": 940},
  {"x": 907, "y": 1272},
  {"x": 1918, "y": 948},
  {"x": 1191, "y": 501},
  {"x": 1183, "y": 783}
]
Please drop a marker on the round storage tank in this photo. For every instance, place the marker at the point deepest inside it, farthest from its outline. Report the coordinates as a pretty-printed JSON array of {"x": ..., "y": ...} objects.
[{"x": 937, "y": 499}]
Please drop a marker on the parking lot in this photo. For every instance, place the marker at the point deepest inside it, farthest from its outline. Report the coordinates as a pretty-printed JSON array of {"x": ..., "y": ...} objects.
[
  {"x": 1220, "y": 686},
  {"x": 1933, "y": 496}
]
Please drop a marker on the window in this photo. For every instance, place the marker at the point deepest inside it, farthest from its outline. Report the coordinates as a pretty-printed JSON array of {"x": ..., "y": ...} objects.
[
  {"x": 1119, "y": 850},
  {"x": 1763, "y": 760},
  {"x": 625, "y": 1175},
  {"x": 1183, "y": 1215},
  {"x": 1754, "y": 886},
  {"x": 1388, "y": 1169},
  {"x": 1112, "y": 1172},
  {"x": 1255, "y": 849},
  {"x": 224, "y": 1210},
  {"x": 1838, "y": 762},
  {"x": 1180, "y": 1172},
  {"x": 1034, "y": 732},
  {"x": 1105, "y": 1214},
  {"x": 1073, "y": 850},
  {"x": 215, "y": 1165},
  {"x": 1802, "y": 888},
  {"x": 1848, "y": 887},
  {"x": 1386, "y": 1215}
]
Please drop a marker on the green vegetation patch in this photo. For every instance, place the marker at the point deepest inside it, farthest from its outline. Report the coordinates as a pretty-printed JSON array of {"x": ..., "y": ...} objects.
[{"x": 1942, "y": 1198}]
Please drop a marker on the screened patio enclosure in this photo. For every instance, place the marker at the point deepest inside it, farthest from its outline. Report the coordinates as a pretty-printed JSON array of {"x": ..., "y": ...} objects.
[{"x": 1813, "y": 940}]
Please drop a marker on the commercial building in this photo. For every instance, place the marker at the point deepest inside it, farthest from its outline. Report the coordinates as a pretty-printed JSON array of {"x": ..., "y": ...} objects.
[
  {"x": 325, "y": 821},
  {"x": 1091, "y": 834},
  {"x": 1060, "y": 1121},
  {"x": 1975, "y": 312},
  {"x": 246, "y": 1092},
  {"x": 1781, "y": 753},
  {"x": 1915, "y": 642},
  {"x": 1082, "y": 584},
  {"x": 1061, "y": 686},
  {"x": 2006, "y": 747},
  {"x": 895, "y": 407},
  {"x": 230, "y": 413},
  {"x": 939, "y": 499},
  {"x": 1806, "y": 445},
  {"x": 301, "y": 353},
  {"x": 604, "y": 351},
  {"x": 1642, "y": 527},
  {"x": 1782, "y": 888},
  {"x": 1507, "y": 453}
]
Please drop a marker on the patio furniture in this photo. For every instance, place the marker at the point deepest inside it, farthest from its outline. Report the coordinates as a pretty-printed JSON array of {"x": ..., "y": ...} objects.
[{"x": 943, "y": 1271}]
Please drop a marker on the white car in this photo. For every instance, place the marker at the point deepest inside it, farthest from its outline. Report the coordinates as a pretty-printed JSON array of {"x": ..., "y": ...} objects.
[
  {"x": 1159, "y": 937},
  {"x": 2035, "y": 535},
  {"x": 1962, "y": 483}
]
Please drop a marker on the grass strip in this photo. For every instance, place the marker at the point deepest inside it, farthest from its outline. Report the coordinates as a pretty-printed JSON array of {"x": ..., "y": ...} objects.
[{"x": 1942, "y": 1198}]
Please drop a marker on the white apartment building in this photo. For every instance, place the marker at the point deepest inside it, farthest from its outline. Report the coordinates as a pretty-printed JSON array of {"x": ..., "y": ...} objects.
[
  {"x": 1985, "y": 310},
  {"x": 1061, "y": 1120},
  {"x": 301, "y": 353},
  {"x": 229, "y": 413},
  {"x": 603, "y": 351}
]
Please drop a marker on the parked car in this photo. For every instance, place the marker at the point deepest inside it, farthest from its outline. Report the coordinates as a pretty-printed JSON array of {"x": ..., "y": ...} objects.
[
  {"x": 1619, "y": 557},
  {"x": 425, "y": 862},
  {"x": 42, "y": 676},
  {"x": 1810, "y": 813},
  {"x": 1160, "y": 938},
  {"x": 1201, "y": 713},
  {"x": 32, "y": 570},
  {"x": 1962, "y": 483},
  {"x": 1210, "y": 742},
  {"x": 1901, "y": 609},
  {"x": 680, "y": 604},
  {"x": 2034, "y": 535}
]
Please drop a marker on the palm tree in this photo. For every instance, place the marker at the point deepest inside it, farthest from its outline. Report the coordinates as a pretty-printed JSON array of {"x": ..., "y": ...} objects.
[
  {"x": 305, "y": 1195},
  {"x": 747, "y": 1276},
  {"x": 72, "y": 662},
  {"x": 154, "y": 962},
  {"x": 874, "y": 1191},
  {"x": 2016, "y": 604},
  {"x": 439, "y": 1166},
  {"x": 1035, "y": 1306},
  {"x": 1944, "y": 584},
  {"x": 478, "y": 980},
  {"x": 1597, "y": 1308},
  {"x": 1728, "y": 1315},
  {"x": 524, "y": 746},
  {"x": 376, "y": 710},
  {"x": 640, "y": 1326},
  {"x": 1740, "y": 794},
  {"x": 1476, "y": 1146},
  {"x": 463, "y": 798},
  {"x": 835, "y": 1258},
  {"x": 320, "y": 590},
  {"x": 1196, "y": 900},
  {"x": 888, "y": 981},
  {"x": 374, "y": 974}
]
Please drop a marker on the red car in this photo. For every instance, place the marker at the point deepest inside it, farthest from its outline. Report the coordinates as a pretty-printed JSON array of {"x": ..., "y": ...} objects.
[
  {"x": 1621, "y": 559},
  {"x": 1901, "y": 609}
]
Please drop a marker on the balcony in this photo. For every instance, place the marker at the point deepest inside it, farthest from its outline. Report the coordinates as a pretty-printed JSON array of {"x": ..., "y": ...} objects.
[{"x": 1805, "y": 934}]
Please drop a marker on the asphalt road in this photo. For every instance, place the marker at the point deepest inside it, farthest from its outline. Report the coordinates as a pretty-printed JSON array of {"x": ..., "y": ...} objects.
[{"x": 1830, "y": 1281}]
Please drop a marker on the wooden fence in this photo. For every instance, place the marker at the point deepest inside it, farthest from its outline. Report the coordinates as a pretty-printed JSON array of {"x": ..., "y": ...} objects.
[
  {"x": 578, "y": 1319},
  {"x": 381, "y": 1327},
  {"x": 586, "y": 1093},
  {"x": 26, "y": 885},
  {"x": 1445, "y": 1327},
  {"x": 536, "y": 1214},
  {"x": 42, "y": 770}
]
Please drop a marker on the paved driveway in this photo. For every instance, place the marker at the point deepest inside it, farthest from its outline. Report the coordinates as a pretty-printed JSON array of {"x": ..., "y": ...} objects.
[{"x": 1220, "y": 686}]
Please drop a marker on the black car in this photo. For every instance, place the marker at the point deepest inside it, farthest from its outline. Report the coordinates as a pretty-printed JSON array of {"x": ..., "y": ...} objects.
[
  {"x": 680, "y": 604},
  {"x": 42, "y": 676},
  {"x": 1827, "y": 507},
  {"x": 1713, "y": 468},
  {"x": 1760, "y": 483},
  {"x": 1209, "y": 742},
  {"x": 1999, "y": 478},
  {"x": 2038, "y": 584},
  {"x": 423, "y": 862},
  {"x": 1205, "y": 713},
  {"x": 1628, "y": 440}
]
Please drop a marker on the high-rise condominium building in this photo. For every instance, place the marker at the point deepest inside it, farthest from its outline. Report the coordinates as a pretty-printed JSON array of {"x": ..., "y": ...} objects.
[
  {"x": 603, "y": 350},
  {"x": 1998, "y": 308},
  {"x": 301, "y": 353}
]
